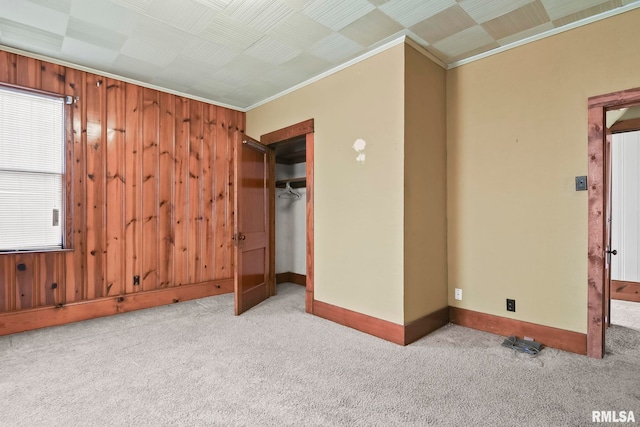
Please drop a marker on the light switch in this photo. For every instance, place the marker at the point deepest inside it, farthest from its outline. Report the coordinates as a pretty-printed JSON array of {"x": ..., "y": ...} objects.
[{"x": 581, "y": 183}]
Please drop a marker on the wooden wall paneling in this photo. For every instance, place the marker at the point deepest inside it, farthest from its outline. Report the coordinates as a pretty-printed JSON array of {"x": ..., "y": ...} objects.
[
  {"x": 195, "y": 191},
  {"x": 7, "y": 280},
  {"x": 208, "y": 222},
  {"x": 25, "y": 279},
  {"x": 96, "y": 184},
  {"x": 150, "y": 189},
  {"x": 221, "y": 189},
  {"x": 166, "y": 180},
  {"x": 8, "y": 67},
  {"x": 231, "y": 132},
  {"x": 181, "y": 226},
  {"x": 115, "y": 191},
  {"x": 133, "y": 186},
  {"x": 28, "y": 72},
  {"x": 75, "y": 271},
  {"x": 53, "y": 77},
  {"x": 49, "y": 278}
]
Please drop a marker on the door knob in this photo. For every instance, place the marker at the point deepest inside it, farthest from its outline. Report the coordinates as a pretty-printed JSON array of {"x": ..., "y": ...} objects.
[{"x": 242, "y": 237}]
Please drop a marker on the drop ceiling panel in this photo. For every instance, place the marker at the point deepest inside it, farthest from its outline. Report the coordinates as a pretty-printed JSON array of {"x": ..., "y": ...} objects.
[{"x": 241, "y": 52}]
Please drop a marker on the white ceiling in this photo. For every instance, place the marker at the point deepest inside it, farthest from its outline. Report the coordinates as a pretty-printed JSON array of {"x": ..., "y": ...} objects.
[{"x": 240, "y": 52}]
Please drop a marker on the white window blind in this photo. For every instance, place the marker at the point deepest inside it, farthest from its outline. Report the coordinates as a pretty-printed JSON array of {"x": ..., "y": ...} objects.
[{"x": 31, "y": 170}]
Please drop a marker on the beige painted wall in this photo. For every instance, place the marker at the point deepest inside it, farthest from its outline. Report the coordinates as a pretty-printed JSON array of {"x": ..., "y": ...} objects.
[
  {"x": 425, "y": 187},
  {"x": 358, "y": 206},
  {"x": 517, "y": 137}
]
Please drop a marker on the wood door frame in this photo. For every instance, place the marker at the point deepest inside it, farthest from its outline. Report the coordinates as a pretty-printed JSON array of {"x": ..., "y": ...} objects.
[
  {"x": 305, "y": 128},
  {"x": 597, "y": 108}
]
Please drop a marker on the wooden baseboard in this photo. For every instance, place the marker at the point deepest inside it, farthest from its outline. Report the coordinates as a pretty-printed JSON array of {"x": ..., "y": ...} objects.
[
  {"x": 425, "y": 325},
  {"x": 562, "y": 339},
  {"x": 289, "y": 277},
  {"x": 26, "y": 320},
  {"x": 370, "y": 325},
  {"x": 398, "y": 334},
  {"x": 626, "y": 291}
]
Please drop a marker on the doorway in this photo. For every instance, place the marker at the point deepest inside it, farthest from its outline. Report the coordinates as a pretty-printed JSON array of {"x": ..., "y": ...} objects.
[
  {"x": 599, "y": 215},
  {"x": 293, "y": 148}
]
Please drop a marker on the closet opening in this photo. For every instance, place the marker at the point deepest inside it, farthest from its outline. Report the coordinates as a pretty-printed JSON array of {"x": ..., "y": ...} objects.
[{"x": 291, "y": 207}]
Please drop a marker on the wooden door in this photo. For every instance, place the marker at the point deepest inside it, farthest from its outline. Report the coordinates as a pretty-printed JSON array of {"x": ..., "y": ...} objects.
[
  {"x": 607, "y": 231},
  {"x": 251, "y": 234}
]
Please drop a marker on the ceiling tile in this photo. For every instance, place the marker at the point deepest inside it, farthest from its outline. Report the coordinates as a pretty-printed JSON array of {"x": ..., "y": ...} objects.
[
  {"x": 136, "y": 68},
  {"x": 106, "y": 15},
  {"x": 25, "y": 36},
  {"x": 187, "y": 15},
  {"x": 464, "y": 41},
  {"x": 229, "y": 78},
  {"x": 272, "y": 51},
  {"x": 530, "y": 16},
  {"x": 378, "y": 2},
  {"x": 157, "y": 32},
  {"x": 89, "y": 54},
  {"x": 226, "y": 31},
  {"x": 248, "y": 66},
  {"x": 335, "y": 48},
  {"x": 307, "y": 65},
  {"x": 260, "y": 15},
  {"x": 410, "y": 12},
  {"x": 557, "y": 9},
  {"x": 296, "y": 5},
  {"x": 337, "y": 14},
  {"x": 525, "y": 34},
  {"x": 485, "y": 10},
  {"x": 477, "y": 51},
  {"x": 140, "y": 6},
  {"x": 184, "y": 70},
  {"x": 60, "y": 5},
  {"x": 33, "y": 15},
  {"x": 211, "y": 85},
  {"x": 99, "y": 36},
  {"x": 299, "y": 30},
  {"x": 217, "y": 5},
  {"x": 174, "y": 84},
  {"x": 208, "y": 52},
  {"x": 568, "y": 19},
  {"x": 151, "y": 51},
  {"x": 371, "y": 28},
  {"x": 444, "y": 24}
]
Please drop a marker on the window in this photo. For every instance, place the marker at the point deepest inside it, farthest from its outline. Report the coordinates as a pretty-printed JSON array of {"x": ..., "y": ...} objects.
[{"x": 32, "y": 134}]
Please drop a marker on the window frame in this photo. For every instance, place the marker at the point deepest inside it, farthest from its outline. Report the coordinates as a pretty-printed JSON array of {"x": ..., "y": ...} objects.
[{"x": 66, "y": 220}]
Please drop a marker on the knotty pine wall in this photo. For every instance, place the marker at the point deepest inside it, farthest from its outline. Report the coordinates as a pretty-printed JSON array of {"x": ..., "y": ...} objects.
[{"x": 151, "y": 188}]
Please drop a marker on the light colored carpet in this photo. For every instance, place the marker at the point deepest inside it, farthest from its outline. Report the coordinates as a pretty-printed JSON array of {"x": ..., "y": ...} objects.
[{"x": 194, "y": 363}]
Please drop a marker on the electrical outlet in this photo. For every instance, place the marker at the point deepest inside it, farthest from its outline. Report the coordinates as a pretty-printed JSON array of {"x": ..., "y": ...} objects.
[
  {"x": 457, "y": 294},
  {"x": 511, "y": 304},
  {"x": 136, "y": 280}
]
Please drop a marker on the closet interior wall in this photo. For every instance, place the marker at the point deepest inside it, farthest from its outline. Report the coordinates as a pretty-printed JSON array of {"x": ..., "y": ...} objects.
[{"x": 290, "y": 222}]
